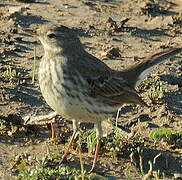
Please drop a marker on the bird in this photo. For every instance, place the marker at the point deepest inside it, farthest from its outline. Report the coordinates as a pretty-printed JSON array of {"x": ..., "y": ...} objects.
[{"x": 80, "y": 87}]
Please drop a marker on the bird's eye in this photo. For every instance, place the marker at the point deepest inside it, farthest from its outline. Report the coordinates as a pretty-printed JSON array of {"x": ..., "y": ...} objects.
[{"x": 51, "y": 36}]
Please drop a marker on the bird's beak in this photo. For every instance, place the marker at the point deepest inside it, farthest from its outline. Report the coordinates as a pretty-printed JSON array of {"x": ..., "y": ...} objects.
[{"x": 31, "y": 32}]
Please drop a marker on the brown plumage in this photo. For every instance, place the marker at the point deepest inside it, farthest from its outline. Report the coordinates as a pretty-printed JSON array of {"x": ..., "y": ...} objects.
[{"x": 82, "y": 88}]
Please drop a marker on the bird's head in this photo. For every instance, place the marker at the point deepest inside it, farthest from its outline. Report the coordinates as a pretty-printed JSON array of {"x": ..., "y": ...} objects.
[{"x": 55, "y": 38}]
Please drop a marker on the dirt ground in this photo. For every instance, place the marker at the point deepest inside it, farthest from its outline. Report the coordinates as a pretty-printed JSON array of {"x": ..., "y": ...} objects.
[{"x": 121, "y": 33}]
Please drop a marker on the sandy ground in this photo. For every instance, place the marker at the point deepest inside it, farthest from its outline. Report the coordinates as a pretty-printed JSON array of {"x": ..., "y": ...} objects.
[{"x": 120, "y": 32}]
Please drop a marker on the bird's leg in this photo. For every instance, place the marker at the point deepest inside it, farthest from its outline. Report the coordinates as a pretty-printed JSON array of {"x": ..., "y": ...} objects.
[
  {"x": 53, "y": 130},
  {"x": 75, "y": 129},
  {"x": 99, "y": 133}
]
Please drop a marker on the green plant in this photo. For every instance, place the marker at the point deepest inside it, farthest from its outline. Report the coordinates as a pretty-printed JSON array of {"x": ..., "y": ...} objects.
[
  {"x": 155, "y": 88},
  {"x": 10, "y": 74},
  {"x": 46, "y": 169},
  {"x": 2, "y": 124},
  {"x": 168, "y": 136},
  {"x": 9, "y": 127},
  {"x": 87, "y": 139}
]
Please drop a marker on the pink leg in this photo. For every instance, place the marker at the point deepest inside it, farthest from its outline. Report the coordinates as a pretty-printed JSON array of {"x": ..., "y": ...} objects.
[
  {"x": 75, "y": 128},
  {"x": 53, "y": 129},
  {"x": 97, "y": 149},
  {"x": 95, "y": 156}
]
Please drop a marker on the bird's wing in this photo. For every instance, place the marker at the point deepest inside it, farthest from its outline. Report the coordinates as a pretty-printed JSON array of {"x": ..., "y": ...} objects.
[
  {"x": 114, "y": 90},
  {"x": 104, "y": 84}
]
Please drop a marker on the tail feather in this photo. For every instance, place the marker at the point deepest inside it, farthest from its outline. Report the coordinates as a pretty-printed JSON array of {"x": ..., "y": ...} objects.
[{"x": 137, "y": 73}]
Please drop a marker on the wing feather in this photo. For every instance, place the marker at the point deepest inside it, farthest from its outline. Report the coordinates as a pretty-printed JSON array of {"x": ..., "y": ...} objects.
[{"x": 114, "y": 90}]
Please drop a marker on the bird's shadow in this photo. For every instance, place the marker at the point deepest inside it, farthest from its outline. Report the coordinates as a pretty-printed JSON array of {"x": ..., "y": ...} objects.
[
  {"x": 161, "y": 161},
  {"x": 174, "y": 102},
  {"x": 173, "y": 99},
  {"x": 173, "y": 80},
  {"x": 29, "y": 132}
]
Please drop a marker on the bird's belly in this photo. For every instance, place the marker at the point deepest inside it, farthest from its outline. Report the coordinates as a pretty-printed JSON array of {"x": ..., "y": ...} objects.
[
  {"x": 84, "y": 112},
  {"x": 76, "y": 107}
]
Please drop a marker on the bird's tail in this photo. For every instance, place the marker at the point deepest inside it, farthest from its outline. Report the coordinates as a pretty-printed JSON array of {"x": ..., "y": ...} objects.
[{"x": 137, "y": 73}]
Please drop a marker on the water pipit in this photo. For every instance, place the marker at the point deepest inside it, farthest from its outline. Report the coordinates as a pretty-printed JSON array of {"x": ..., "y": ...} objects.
[{"x": 82, "y": 88}]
